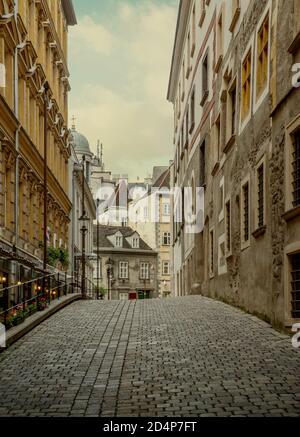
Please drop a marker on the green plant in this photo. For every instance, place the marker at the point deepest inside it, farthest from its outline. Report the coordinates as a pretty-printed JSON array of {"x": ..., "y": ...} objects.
[
  {"x": 53, "y": 255},
  {"x": 58, "y": 255},
  {"x": 64, "y": 257}
]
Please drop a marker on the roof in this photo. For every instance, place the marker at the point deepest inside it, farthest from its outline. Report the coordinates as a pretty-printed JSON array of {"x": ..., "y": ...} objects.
[
  {"x": 126, "y": 231},
  {"x": 81, "y": 143},
  {"x": 69, "y": 12},
  {"x": 181, "y": 28},
  {"x": 158, "y": 171},
  {"x": 164, "y": 180}
]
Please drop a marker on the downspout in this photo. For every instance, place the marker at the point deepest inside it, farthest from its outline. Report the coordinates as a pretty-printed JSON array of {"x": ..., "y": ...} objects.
[{"x": 16, "y": 112}]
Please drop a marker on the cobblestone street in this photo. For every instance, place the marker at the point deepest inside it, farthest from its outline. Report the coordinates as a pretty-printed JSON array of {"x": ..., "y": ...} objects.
[{"x": 178, "y": 357}]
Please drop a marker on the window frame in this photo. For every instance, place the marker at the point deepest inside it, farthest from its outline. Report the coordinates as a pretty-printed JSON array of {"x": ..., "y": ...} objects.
[
  {"x": 166, "y": 237},
  {"x": 123, "y": 266},
  {"x": 291, "y": 130},
  {"x": 258, "y": 225},
  {"x": 228, "y": 227},
  {"x": 245, "y": 243},
  {"x": 260, "y": 95},
  {"x": 144, "y": 270},
  {"x": 164, "y": 263}
]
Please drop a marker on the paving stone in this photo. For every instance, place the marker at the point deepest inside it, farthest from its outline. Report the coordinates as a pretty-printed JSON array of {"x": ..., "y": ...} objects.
[{"x": 182, "y": 357}]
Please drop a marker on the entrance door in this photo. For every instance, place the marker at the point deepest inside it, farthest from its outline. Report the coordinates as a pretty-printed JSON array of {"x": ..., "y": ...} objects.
[
  {"x": 144, "y": 294},
  {"x": 123, "y": 296},
  {"x": 132, "y": 296}
]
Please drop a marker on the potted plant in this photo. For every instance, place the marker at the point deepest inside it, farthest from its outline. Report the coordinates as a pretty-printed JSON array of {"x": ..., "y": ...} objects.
[{"x": 42, "y": 303}]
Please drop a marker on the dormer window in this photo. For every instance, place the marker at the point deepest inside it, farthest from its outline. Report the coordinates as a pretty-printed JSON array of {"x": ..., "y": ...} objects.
[
  {"x": 135, "y": 242},
  {"x": 119, "y": 241}
]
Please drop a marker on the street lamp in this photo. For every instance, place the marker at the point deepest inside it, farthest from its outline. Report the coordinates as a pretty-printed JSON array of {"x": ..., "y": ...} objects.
[
  {"x": 84, "y": 218},
  {"x": 46, "y": 88},
  {"x": 109, "y": 265},
  {"x": 98, "y": 255}
]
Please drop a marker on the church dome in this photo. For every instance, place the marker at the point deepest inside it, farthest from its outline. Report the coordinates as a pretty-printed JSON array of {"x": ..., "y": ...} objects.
[{"x": 81, "y": 144}]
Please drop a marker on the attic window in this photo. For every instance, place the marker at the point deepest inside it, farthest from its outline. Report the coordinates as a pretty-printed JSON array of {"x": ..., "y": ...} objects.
[
  {"x": 135, "y": 242},
  {"x": 119, "y": 241}
]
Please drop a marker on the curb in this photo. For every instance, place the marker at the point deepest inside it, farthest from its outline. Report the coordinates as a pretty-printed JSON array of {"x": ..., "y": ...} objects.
[{"x": 32, "y": 322}]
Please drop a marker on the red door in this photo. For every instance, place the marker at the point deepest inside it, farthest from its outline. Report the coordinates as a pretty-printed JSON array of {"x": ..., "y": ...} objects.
[{"x": 132, "y": 296}]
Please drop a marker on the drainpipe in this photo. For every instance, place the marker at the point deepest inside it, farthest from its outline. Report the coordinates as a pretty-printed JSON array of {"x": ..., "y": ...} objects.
[{"x": 16, "y": 112}]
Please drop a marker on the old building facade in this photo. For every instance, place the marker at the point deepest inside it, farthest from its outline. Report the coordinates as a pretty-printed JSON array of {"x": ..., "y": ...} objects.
[
  {"x": 83, "y": 205},
  {"x": 236, "y": 114},
  {"x": 127, "y": 265},
  {"x": 33, "y": 50}
]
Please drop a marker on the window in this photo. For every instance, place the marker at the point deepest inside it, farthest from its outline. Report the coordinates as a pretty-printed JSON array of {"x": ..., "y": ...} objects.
[
  {"x": 183, "y": 80},
  {"x": 166, "y": 238},
  {"x": 260, "y": 196},
  {"x": 166, "y": 209},
  {"x": 136, "y": 243},
  {"x": 202, "y": 12},
  {"x": 202, "y": 165},
  {"x": 219, "y": 55},
  {"x": 246, "y": 85},
  {"x": 204, "y": 80},
  {"x": 188, "y": 54},
  {"x": 211, "y": 253},
  {"x": 228, "y": 226},
  {"x": 193, "y": 32},
  {"x": 221, "y": 200},
  {"x": 192, "y": 111},
  {"x": 222, "y": 266},
  {"x": 166, "y": 268},
  {"x": 245, "y": 212},
  {"x": 144, "y": 270},
  {"x": 123, "y": 270},
  {"x": 262, "y": 57},
  {"x": 119, "y": 241},
  {"x": 295, "y": 284},
  {"x": 187, "y": 128},
  {"x": 236, "y": 11},
  {"x": 296, "y": 169},
  {"x": 232, "y": 109}
]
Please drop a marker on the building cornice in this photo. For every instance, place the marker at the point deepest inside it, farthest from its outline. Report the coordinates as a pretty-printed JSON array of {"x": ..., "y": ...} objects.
[
  {"x": 182, "y": 19},
  {"x": 69, "y": 12}
]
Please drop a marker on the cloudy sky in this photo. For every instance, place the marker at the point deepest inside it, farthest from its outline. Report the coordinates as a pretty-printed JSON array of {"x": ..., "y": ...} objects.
[{"x": 120, "y": 55}]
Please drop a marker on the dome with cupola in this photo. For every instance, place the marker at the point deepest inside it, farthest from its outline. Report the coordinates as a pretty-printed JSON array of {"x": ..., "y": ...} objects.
[{"x": 80, "y": 142}]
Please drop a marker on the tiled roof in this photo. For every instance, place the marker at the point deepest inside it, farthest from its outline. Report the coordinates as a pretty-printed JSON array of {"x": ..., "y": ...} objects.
[{"x": 126, "y": 231}]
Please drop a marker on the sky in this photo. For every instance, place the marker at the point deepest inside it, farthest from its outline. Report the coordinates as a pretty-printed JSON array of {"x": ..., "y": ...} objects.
[{"x": 119, "y": 57}]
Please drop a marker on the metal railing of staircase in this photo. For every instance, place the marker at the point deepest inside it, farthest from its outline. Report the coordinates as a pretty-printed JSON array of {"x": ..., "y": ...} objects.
[{"x": 29, "y": 297}]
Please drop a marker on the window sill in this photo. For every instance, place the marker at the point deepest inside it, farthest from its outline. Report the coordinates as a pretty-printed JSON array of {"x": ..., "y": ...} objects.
[
  {"x": 234, "y": 19},
  {"x": 218, "y": 64},
  {"x": 259, "y": 232},
  {"x": 216, "y": 168},
  {"x": 192, "y": 127},
  {"x": 193, "y": 50},
  {"x": 202, "y": 18},
  {"x": 204, "y": 98},
  {"x": 295, "y": 44},
  {"x": 291, "y": 214},
  {"x": 229, "y": 144},
  {"x": 228, "y": 255}
]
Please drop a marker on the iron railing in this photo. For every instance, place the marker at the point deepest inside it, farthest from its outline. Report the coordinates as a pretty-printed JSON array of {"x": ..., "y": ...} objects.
[{"x": 17, "y": 302}]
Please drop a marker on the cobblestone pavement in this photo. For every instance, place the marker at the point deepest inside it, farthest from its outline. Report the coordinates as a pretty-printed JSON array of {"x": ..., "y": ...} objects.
[{"x": 178, "y": 357}]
